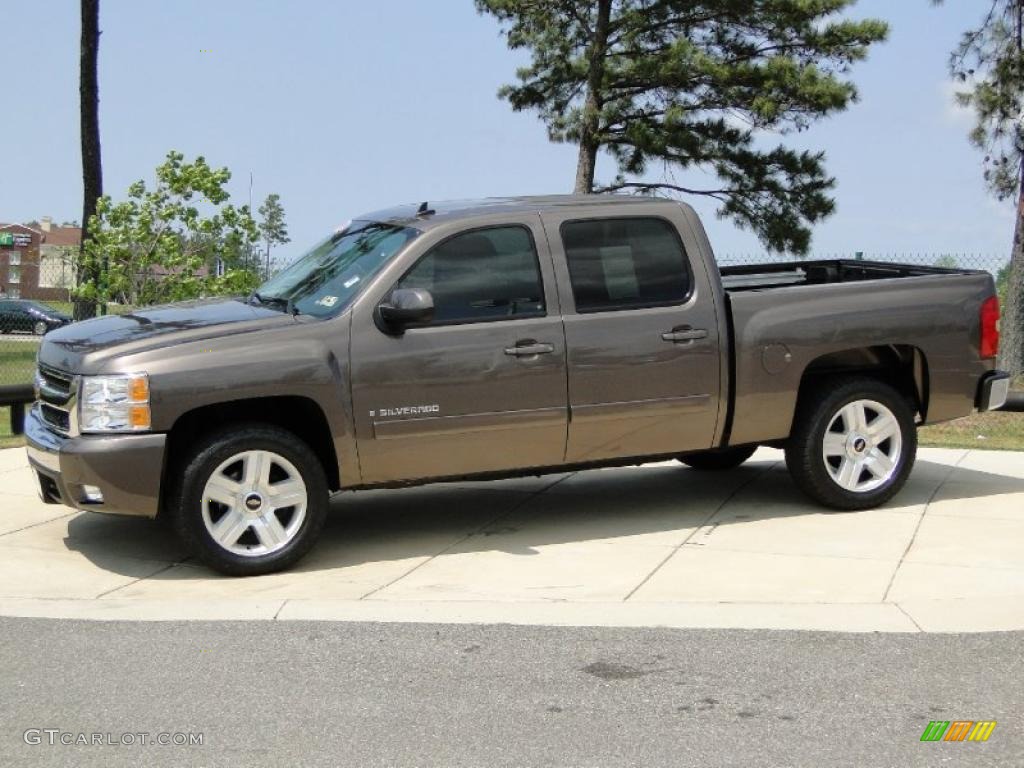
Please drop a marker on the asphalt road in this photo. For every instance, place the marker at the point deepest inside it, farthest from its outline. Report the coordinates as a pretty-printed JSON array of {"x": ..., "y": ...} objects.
[{"x": 339, "y": 694}]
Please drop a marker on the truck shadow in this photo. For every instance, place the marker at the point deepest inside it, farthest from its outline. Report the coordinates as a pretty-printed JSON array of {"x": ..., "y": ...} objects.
[{"x": 664, "y": 503}]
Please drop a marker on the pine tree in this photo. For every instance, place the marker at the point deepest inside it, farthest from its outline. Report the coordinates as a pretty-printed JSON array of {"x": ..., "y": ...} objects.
[
  {"x": 693, "y": 86},
  {"x": 272, "y": 226}
]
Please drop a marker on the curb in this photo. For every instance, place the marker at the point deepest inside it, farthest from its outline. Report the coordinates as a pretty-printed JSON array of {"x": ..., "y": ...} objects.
[{"x": 915, "y": 616}]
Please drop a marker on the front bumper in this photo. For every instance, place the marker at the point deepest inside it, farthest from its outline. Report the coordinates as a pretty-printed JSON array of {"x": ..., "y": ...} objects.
[
  {"x": 125, "y": 468},
  {"x": 993, "y": 389}
]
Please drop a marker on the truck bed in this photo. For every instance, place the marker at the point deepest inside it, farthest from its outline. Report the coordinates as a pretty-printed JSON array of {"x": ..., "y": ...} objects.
[
  {"x": 752, "y": 277},
  {"x": 787, "y": 318}
]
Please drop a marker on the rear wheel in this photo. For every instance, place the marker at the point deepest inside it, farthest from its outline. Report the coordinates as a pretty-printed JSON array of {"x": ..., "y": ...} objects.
[
  {"x": 252, "y": 500},
  {"x": 853, "y": 444},
  {"x": 716, "y": 461}
]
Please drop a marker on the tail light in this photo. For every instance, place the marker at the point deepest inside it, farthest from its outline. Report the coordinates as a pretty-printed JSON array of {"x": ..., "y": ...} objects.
[{"x": 989, "y": 346}]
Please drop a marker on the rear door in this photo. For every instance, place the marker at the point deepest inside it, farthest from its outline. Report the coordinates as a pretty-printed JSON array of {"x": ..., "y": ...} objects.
[
  {"x": 482, "y": 388},
  {"x": 641, "y": 331}
]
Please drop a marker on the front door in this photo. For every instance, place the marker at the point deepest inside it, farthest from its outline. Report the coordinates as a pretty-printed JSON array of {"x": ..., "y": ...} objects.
[
  {"x": 641, "y": 332},
  {"x": 482, "y": 387}
]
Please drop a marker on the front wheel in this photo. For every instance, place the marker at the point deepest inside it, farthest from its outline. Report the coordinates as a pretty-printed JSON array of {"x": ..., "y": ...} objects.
[
  {"x": 854, "y": 443},
  {"x": 252, "y": 500},
  {"x": 40, "y": 328}
]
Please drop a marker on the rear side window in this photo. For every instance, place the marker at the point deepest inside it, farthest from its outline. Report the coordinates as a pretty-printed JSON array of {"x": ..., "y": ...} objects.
[
  {"x": 486, "y": 274},
  {"x": 625, "y": 264}
]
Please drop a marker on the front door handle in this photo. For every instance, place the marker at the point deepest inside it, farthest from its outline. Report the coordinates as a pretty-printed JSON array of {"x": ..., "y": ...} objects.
[
  {"x": 529, "y": 348},
  {"x": 684, "y": 333}
]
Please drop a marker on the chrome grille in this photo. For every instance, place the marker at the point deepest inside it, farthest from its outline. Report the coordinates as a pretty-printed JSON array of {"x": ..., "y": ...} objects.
[{"x": 57, "y": 392}]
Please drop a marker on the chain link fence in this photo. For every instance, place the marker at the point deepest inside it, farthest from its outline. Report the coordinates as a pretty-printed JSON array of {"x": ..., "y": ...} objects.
[{"x": 36, "y": 287}]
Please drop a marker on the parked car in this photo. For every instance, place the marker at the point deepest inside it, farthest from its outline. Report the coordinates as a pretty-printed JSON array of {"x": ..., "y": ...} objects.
[
  {"x": 22, "y": 315},
  {"x": 499, "y": 338}
]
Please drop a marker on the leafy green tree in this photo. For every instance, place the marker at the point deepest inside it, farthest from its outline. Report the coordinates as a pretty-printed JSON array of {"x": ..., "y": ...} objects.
[
  {"x": 692, "y": 85},
  {"x": 272, "y": 228},
  {"x": 947, "y": 261},
  {"x": 1003, "y": 283},
  {"x": 159, "y": 247},
  {"x": 988, "y": 64}
]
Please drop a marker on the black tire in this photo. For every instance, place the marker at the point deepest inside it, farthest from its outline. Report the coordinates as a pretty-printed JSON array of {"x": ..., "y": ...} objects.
[
  {"x": 186, "y": 507},
  {"x": 718, "y": 460},
  {"x": 40, "y": 328},
  {"x": 805, "y": 448}
]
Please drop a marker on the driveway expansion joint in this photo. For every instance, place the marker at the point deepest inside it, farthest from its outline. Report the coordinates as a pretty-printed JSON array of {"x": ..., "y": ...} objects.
[
  {"x": 694, "y": 532},
  {"x": 920, "y": 520}
]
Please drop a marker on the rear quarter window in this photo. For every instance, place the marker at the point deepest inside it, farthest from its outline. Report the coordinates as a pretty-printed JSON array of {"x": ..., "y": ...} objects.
[{"x": 625, "y": 263}]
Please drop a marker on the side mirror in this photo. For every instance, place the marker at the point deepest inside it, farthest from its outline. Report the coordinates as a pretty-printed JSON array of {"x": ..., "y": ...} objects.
[{"x": 407, "y": 306}]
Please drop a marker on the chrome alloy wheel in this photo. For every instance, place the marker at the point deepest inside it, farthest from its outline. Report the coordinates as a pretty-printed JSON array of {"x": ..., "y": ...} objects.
[
  {"x": 254, "y": 503},
  {"x": 862, "y": 446}
]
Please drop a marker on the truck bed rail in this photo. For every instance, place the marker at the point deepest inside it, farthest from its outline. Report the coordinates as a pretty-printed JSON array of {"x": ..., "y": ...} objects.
[{"x": 758, "y": 276}]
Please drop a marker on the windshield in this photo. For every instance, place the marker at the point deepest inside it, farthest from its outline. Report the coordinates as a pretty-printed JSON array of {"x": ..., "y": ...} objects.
[{"x": 325, "y": 280}]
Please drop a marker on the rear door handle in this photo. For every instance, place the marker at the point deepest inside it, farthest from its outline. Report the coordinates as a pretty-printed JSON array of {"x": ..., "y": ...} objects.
[
  {"x": 529, "y": 348},
  {"x": 684, "y": 333}
]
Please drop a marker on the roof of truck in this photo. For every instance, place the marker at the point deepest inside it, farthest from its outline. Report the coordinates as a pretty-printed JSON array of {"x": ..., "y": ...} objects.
[{"x": 448, "y": 210}]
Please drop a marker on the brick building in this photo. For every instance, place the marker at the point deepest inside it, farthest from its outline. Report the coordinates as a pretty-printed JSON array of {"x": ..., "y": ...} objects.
[{"x": 37, "y": 260}]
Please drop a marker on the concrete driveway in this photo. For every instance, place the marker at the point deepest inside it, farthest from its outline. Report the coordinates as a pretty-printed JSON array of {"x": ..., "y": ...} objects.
[{"x": 658, "y": 545}]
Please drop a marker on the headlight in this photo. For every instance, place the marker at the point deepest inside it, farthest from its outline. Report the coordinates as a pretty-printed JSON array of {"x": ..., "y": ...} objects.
[{"x": 114, "y": 403}]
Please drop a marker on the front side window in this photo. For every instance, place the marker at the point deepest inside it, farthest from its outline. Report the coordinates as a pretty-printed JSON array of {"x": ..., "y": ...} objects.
[
  {"x": 487, "y": 274},
  {"x": 329, "y": 276},
  {"x": 625, "y": 264}
]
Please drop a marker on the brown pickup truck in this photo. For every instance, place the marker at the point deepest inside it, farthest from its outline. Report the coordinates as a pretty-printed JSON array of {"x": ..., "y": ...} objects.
[{"x": 495, "y": 338}]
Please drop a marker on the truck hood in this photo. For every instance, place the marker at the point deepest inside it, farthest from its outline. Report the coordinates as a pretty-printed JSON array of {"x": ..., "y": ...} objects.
[{"x": 80, "y": 347}]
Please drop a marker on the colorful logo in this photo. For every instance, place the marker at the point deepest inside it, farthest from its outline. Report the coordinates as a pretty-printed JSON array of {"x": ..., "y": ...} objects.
[{"x": 958, "y": 730}]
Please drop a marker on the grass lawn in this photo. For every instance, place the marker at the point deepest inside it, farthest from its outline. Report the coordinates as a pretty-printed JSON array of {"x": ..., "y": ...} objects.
[
  {"x": 68, "y": 308},
  {"x": 65, "y": 307},
  {"x": 994, "y": 431},
  {"x": 17, "y": 365},
  {"x": 7, "y": 440},
  {"x": 17, "y": 362}
]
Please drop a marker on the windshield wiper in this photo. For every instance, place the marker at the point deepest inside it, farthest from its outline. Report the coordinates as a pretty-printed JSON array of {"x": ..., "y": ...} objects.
[{"x": 274, "y": 301}]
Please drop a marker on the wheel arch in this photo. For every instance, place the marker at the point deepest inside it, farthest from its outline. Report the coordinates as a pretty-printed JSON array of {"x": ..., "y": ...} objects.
[
  {"x": 902, "y": 366},
  {"x": 299, "y": 415}
]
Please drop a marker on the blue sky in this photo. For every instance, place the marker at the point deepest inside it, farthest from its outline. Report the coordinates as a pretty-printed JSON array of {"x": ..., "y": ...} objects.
[{"x": 344, "y": 107}]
